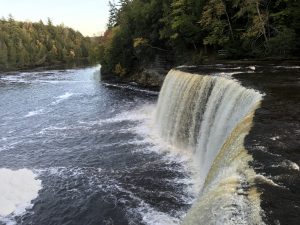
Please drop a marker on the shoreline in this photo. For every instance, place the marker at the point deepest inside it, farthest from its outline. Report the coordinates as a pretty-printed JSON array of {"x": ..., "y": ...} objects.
[
  {"x": 49, "y": 67},
  {"x": 153, "y": 78}
]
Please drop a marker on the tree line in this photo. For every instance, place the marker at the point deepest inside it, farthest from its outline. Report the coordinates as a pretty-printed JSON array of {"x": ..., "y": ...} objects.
[
  {"x": 196, "y": 30},
  {"x": 27, "y": 45}
]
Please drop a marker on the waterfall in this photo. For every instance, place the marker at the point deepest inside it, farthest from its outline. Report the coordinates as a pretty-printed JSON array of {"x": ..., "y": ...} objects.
[{"x": 209, "y": 117}]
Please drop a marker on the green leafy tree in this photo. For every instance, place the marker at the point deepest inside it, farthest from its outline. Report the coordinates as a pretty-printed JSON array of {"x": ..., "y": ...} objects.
[
  {"x": 26, "y": 44},
  {"x": 113, "y": 14},
  {"x": 190, "y": 31},
  {"x": 3, "y": 55}
]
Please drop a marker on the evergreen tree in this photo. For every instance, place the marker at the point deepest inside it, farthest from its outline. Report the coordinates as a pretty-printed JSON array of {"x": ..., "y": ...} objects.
[
  {"x": 190, "y": 31},
  {"x": 3, "y": 55},
  {"x": 113, "y": 13},
  {"x": 26, "y": 44}
]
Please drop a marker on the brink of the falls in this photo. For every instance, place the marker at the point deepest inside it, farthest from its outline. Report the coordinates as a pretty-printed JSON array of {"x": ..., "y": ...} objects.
[{"x": 209, "y": 117}]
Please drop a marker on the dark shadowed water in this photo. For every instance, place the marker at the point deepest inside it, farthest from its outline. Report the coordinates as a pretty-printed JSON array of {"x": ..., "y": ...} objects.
[
  {"x": 85, "y": 152},
  {"x": 87, "y": 143},
  {"x": 274, "y": 140}
]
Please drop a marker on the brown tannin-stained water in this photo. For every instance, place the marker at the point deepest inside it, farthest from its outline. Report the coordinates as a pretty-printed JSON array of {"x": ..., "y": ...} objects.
[{"x": 218, "y": 145}]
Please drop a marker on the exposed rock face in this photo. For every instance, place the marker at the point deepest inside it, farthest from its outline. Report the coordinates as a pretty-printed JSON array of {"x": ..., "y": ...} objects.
[{"x": 149, "y": 77}]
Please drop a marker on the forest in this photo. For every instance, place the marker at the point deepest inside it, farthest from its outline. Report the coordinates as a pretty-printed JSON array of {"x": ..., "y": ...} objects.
[
  {"x": 28, "y": 45},
  {"x": 195, "y": 31}
]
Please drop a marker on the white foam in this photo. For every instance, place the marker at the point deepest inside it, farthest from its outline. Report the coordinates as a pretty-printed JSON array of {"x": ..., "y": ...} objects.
[
  {"x": 62, "y": 98},
  {"x": 232, "y": 68},
  {"x": 65, "y": 96},
  {"x": 134, "y": 116},
  {"x": 65, "y": 172},
  {"x": 143, "y": 128},
  {"x": 185, "y": 66},
  {"x": 252, "y": 68},
  {"x": 288, "y": 67},
  {"x": 6, "y": 147},
  {"x": 18, "y": 188},
  {"x": 130, "y": 87},
  {"x": 275, "y": 138},
  {"x": 34, "y": 113},
  {"x": 151, "y": 216},
  {"x": 294, "y": 166},
  {"x": 263, "y": 179},
  {"x": 14, "y": 79},
  {"x": 231, "y": 74},
  {"x": 52, "y": 128},
  {"x": 287, "y": 164}
]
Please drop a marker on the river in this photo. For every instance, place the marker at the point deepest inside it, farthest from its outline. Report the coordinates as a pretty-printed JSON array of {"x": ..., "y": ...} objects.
[
  {"x": 219, "y": 145},
  {"x": 74, "y": 150}
]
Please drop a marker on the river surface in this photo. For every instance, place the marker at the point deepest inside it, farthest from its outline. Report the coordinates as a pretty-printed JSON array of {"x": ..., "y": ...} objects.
[
  {"x": 75, "y": 150},
  {"x": 81, "y": 150}
]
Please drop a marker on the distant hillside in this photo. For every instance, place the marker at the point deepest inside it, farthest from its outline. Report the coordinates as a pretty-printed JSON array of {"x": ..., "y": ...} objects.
[{"x": 27, "y": 45}]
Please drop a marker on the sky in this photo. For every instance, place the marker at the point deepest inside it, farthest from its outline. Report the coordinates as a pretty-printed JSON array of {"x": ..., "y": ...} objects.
[{"x": 87, "y": 16}]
